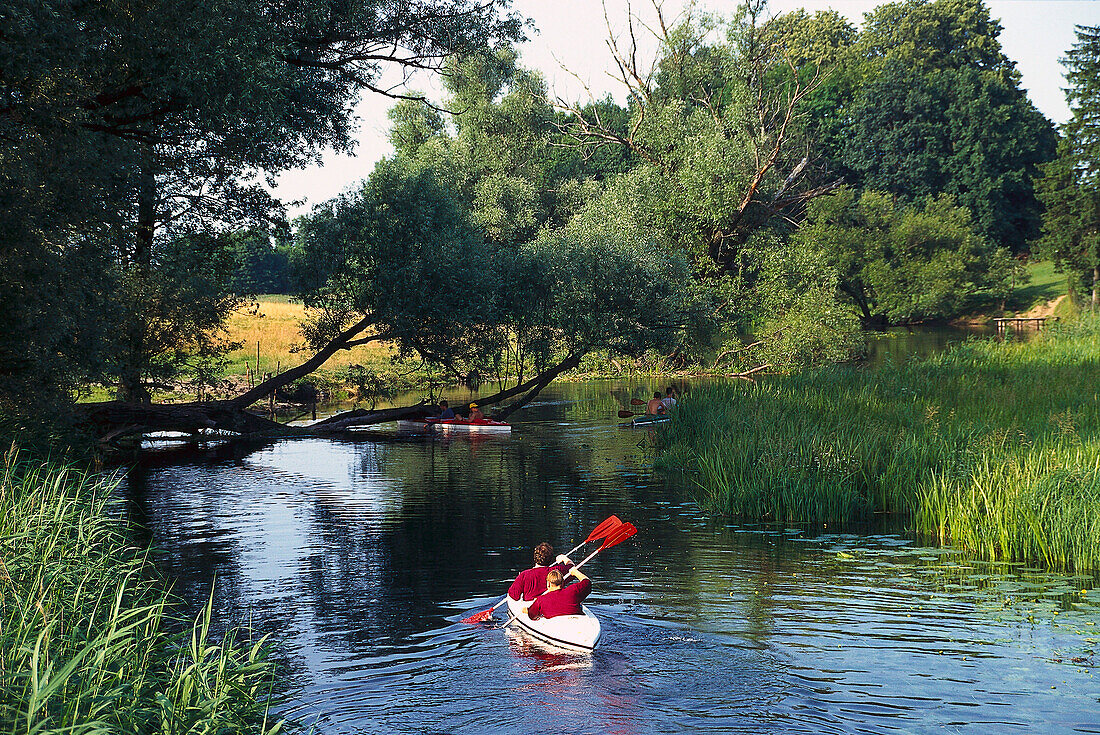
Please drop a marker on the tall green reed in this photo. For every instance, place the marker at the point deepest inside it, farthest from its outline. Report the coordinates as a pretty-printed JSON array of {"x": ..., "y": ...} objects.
[
  {"x": 991, "y": 446},
  {"x": 91, "y": 642}
]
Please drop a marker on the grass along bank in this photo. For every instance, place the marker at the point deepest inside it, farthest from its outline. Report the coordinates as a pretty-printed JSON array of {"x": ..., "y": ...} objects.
[
  {"x": 994, "y": 447},
  {"x": 89, "y": 642}
]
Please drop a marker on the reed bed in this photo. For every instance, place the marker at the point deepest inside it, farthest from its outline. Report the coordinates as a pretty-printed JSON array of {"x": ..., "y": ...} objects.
[
  {"x": 994, "y": 447},
  {"x": 90, "y": 642}
]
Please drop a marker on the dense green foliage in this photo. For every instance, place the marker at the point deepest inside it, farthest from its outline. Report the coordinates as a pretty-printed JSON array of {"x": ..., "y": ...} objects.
[
  {"x": 902, "y": 265},
  {"x": 408, "y": 255},
  {"x": 990, "y": 446},
  {"x": 923, "y": 102},
  {"x": 136, "y": 215},
  {"x": 89, "y": 642},
  {"x": 135, "y": 130},
  {"x": 1070, "y": 186},
  {"x": 262, "y": 266}
]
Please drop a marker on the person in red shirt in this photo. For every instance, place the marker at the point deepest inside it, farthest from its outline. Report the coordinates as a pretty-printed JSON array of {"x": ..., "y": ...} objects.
[
  {"x": 530, "y": 583},
  {"x": 560, "y": 600}
]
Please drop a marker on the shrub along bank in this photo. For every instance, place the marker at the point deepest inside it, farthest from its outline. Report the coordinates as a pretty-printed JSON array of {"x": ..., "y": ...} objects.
[
  {"x": 994, "y": 447},
  {"x": 89, "y": 642}
]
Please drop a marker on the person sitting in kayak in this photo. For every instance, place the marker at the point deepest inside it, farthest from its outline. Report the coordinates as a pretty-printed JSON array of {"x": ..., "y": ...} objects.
[
  {"x": 530, "y": 583},
  {"x": 655, "y": 407},
  {"x": 475, "y": 413},
  {"x": 670, "y": 399},
  {"x": 559, "y": 599},
  {"x": 445, "y": 411}
]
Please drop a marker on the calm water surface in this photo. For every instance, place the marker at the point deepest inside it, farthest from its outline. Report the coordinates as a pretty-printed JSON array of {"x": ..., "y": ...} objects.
[{"x": 361, "y": 557}]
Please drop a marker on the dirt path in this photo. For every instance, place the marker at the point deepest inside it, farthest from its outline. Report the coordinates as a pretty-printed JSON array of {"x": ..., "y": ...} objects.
[{"x": 1042, "y": 310}]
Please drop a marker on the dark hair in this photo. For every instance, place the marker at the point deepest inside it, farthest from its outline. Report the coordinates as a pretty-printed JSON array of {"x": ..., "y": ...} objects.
[
  {"x": 656, "y": 394},
  {"x": 670, "y": 390},
  {"x": 554, "y": 578},
  {"x": 443, "y": 403},
  {"x": 544, "y": 553}
]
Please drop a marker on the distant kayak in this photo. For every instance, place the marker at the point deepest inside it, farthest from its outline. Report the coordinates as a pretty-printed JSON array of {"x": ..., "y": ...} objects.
[
  {"x": 571, "y": 632},
  {"x": 484, "y": 426},
  {"x": 650, "y": 420}
]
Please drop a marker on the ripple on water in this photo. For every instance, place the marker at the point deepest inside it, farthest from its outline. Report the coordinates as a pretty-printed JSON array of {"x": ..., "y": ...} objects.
[{"x": 360, "y": 557}]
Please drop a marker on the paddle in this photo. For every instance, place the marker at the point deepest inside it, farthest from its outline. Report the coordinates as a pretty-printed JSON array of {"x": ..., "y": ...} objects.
[
  {"x": 637, "y": 402},
  {"x": 620, "y": 534},
  {"x": 624, "y": 414},
  {"x": 604, "y": 530}
]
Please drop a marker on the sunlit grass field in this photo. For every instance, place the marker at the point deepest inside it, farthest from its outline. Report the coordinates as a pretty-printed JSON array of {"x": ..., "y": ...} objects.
[
  {"x": 272, "y": 323},
  {"x": 991, "y": 446}
]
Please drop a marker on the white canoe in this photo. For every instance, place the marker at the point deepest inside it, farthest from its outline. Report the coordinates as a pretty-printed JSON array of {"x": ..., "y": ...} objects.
[
  {"x": 485, "y": 426},
  {"x": 571, "y": 632}
]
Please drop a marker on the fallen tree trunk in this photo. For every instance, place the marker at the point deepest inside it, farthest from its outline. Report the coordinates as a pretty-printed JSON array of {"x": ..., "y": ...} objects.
[
  {"x": 110, "y": 421},
  {"x": 113, "y": 420}
]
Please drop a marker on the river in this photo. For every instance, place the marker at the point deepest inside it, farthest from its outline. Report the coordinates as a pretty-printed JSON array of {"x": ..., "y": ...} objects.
[{"x": 362, "y": 557}]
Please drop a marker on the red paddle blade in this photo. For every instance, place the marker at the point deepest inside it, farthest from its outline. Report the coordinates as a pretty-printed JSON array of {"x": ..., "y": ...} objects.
[
  {"x": 604, "y": 529},
  {"x": 622, "y": 533},
  {"x": 479, "y": 617},
  {"x": 637, "y": 402}
]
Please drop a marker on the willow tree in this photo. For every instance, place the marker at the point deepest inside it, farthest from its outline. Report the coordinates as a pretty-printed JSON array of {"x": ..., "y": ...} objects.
[
  {"x": 715, "y": 126},
  {"x": 406, "y": 261}
]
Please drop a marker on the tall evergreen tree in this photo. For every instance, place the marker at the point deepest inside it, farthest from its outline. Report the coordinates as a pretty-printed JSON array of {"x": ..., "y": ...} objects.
[{"x": 1070, "y": 185}]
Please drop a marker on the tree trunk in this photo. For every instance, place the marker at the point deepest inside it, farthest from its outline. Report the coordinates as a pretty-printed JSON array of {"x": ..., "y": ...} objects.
[
  {"x": 131, "y": 381},
  {"x": 533, "y": 386}
]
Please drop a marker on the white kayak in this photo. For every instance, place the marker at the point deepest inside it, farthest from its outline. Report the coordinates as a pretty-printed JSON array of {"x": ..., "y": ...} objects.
[
  {"x": 484, "y": 426},
  {"x": 572, "y": 632},
  {"x": 651, "y": 420}
]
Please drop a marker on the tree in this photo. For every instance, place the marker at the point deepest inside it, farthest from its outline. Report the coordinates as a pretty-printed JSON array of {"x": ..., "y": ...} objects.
[
  {"x": 937, "y": 109},
  {"x": 1070, "y": 184},
  {"x": 262, "y": 266},
  {"x": 714, "y": 127},
  {"x": 902, "y": 264},
  {"x": 148, "y": 122}
]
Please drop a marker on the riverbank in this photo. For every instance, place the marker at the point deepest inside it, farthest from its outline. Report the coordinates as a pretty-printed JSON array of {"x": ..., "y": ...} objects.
[
  {"x": 90, "y": 638},
  {"x": 993, "y": 447}
]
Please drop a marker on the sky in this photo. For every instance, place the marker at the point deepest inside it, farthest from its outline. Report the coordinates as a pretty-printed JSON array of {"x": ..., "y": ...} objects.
[{"x": 568, "y": 46}]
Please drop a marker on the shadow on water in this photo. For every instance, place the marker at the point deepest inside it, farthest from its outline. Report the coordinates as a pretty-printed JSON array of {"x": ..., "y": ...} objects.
[{"x": 362, "y": 556}]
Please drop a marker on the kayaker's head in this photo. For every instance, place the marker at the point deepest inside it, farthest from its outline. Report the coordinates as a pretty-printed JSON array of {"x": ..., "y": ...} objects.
[
  {"x": 473, "y": 406},
  {"x": 544, "y": 554},
  {"x": 554, "y": 580},
  {"x": 656, "y": 394},
  {"x": 443, "y": 404}
]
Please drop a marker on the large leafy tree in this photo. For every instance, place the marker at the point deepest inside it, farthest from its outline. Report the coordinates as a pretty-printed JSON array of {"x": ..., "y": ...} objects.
[
  {"x": 938, "y": 109},
  {"x": 715, "y": 127},
  {"x": 902, "y": 264},
  {"x": 133, "y": 126},
  {"x": 1070, "y": 185},
  {"x": 405, "y": 260}
]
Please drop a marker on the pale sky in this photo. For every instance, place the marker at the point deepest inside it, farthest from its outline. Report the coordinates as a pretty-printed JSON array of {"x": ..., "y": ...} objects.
[{"x": 572, "y": 34}]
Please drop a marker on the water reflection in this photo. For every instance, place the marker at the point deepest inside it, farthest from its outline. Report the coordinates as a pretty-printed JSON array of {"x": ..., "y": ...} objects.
[{"x": 361, "y": 557}]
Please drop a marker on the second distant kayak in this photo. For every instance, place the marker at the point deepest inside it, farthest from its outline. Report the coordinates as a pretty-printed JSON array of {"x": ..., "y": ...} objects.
[
  {"x": 484, "y": 426},
  {"x": 650, "y": 420}
]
